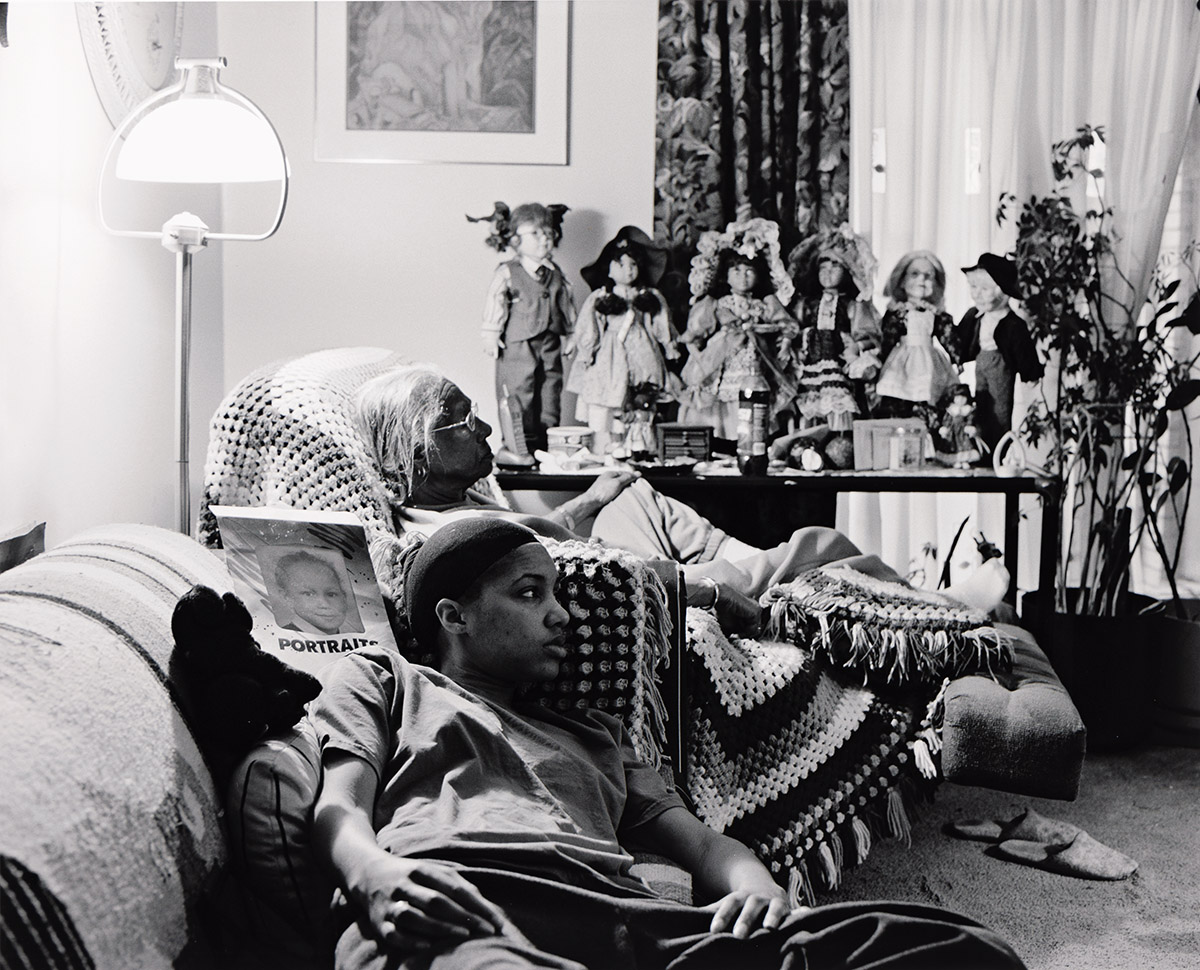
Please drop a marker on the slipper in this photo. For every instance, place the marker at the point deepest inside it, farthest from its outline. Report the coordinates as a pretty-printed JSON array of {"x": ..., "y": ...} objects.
[
  {"x": 1082, "y": 857},
  {"x": 1029, "y": 826}
]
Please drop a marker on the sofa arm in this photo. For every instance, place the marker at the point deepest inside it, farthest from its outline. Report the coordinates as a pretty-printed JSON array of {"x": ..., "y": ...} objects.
[{"x": 1020, "y": 734}]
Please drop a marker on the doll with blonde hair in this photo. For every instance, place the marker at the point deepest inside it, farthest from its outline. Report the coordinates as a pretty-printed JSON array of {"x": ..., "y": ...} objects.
[{"x": 918, "y": 337}]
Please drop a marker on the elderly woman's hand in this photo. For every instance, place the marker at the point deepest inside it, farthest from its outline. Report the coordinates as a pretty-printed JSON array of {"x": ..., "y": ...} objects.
[{"x": 608, "y": 485}]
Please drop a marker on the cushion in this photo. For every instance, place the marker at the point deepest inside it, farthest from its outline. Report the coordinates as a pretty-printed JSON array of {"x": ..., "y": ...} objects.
[
  {"x": 1020, "y": 734},
  {"x": 269, "y": 806},
  {"x": 889, "y": 632}
]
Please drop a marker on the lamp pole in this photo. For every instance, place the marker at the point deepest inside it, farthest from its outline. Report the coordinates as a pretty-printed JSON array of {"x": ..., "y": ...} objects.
[{"x": 184, "y": 234}]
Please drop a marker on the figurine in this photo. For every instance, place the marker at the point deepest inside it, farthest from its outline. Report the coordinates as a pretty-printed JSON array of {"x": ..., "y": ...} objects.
[
  {"x": 957, "y": 441},
  {"x": 917, "y": 369},
  {"x": 997, "y": 339},
  {"x": 839, "y": 337},
  {"x": 528, "y": 319},
  {"x": 739, "y": 332},
  {"x": 640, "y": 442},
  {"x": 623, "y": 336}
]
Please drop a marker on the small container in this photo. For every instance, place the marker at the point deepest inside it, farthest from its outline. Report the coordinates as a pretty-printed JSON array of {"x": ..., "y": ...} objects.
[
  {"x": 906, "y": 449},
  {"x": 568, "y": 440}
]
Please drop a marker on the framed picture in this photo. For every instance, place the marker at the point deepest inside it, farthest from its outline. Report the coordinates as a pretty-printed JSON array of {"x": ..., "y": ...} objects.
[{"x": 483, "y": 81}]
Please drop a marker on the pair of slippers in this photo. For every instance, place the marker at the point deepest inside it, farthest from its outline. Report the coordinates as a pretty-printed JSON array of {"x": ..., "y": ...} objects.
[{"x": 1047, "y": 843}]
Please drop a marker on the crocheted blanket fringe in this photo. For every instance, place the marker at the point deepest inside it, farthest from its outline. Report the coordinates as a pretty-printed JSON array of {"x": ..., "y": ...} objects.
[
  {"x": 798, "y": 762},
  {"x": 903, "y": 646}
]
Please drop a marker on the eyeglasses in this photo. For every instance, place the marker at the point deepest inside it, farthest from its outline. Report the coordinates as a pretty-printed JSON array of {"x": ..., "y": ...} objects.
[{"x": 468, "y": 422}]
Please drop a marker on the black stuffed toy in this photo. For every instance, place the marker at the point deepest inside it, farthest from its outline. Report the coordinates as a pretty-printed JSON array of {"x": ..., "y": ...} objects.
[{"x": 234, "y": 694}]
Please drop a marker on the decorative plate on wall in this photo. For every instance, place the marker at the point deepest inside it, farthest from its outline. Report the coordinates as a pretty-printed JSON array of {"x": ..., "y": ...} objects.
[{"x": 130, "y": 50}]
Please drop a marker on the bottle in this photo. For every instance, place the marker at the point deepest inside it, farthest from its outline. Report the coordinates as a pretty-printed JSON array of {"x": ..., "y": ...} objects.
[{"x": 753, "y": 402}]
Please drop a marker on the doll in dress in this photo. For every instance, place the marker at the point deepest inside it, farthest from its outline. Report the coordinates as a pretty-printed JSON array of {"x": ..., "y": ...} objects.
[
  {"x": 739, "y": 333},
  {"x": 839, "y": 336},
  {"x": 918, "y": 339},
  {"x": 956, "y": 441},
  {"x": 527, "y": 322},
  {"x": 623, "y": 336}
]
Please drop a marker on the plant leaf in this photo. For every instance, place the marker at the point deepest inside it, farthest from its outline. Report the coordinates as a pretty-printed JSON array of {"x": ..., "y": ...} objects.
[
  {"x": 1182, "y": 395},
  {"x": 1178, "y": 474}
]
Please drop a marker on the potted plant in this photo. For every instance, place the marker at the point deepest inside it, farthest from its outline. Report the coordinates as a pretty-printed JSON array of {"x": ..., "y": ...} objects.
[{"x": 1116, "y": 385}]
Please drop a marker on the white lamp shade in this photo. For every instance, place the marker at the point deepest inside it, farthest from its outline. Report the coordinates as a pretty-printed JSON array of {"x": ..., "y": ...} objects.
[{"x": 201, "y": 139}]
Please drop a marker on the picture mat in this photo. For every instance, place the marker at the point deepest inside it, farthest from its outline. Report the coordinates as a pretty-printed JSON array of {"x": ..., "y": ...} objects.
[{"x": 546, "y": 145}]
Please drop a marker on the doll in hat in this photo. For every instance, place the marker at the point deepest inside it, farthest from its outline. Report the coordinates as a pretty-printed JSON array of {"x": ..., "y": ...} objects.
[
  {"x": 839, "y": 336},
  {"x": 739, "y": 332},
  {"x": 527, "y": 321},
  {"x": 623, "y": 336},
  {"x": 997, "y": 339},
  {"x": 918, "y": 367}
]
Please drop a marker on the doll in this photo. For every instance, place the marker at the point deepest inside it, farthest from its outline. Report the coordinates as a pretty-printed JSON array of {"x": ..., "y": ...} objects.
[
  {"x": 839, "y": 337},
  {"x": 739, "y": 332},
  {"x": 623, "y": 336},
  {"x": 957, "y": 441},
  {"x": 528, "y": 319},
  {"x": 918, "y": 338},
  {"x": 992, "y": 335}
]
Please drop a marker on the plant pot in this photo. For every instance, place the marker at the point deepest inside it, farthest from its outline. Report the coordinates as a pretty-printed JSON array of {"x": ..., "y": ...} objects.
[
  {"x": 1105, "y": 663},
  {"x": 1175, "y": 686}
]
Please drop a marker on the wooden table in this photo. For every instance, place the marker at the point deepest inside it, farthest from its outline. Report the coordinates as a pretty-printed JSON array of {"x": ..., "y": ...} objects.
[{"x": 765, "y": 510}]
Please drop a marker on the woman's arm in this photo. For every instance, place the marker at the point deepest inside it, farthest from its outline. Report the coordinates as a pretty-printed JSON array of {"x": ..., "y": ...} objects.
[
  {"x": 409, "y": 904},
  {"x": 607, "y": 486},
  {"x": 722, "y": 869}
]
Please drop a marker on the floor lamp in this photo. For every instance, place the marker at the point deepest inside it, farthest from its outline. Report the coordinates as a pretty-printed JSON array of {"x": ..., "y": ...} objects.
[{"x": 197, "y": 131}]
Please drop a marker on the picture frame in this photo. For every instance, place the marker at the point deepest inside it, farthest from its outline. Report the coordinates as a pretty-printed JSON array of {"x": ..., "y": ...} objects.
[{"x": 421, "y": 81}]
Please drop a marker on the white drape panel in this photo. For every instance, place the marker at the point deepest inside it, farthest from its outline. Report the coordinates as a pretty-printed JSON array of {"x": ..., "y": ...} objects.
[{"x": 1013, "y": 76}]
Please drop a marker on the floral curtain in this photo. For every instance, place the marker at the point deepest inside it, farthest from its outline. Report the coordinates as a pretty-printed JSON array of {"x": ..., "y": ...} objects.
[{"x": 753, "y": 119}]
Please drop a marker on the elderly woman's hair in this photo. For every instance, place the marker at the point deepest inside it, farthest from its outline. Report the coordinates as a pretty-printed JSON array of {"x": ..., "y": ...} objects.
[
  {"x": 894, "y": 289},
  {"x": 396, "y": 414}
]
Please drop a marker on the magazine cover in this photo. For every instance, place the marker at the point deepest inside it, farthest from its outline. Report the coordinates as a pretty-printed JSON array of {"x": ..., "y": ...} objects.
[{"x": 307, "y": 579}]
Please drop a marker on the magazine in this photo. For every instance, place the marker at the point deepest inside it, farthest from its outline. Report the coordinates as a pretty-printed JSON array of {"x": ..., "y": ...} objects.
[{"x": 307, "y": 579}]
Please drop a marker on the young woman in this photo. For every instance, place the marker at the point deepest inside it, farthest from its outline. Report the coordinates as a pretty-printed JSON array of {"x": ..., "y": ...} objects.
[{"x": 467, "y": 829}]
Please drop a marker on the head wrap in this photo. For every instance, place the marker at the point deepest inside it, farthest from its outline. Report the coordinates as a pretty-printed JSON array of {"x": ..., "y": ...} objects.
[{"x": 450, "y": 561}]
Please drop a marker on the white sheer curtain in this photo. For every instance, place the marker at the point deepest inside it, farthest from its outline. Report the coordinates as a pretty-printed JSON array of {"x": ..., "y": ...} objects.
[{"x": 956, "y": 101}]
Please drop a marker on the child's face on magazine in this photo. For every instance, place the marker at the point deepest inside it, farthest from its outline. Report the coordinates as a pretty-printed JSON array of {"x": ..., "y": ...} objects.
[{"x": 315, "y": 595}]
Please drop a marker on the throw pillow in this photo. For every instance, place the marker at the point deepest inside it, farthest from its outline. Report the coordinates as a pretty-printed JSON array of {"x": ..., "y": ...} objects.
[{"x": 269, "y": 805}]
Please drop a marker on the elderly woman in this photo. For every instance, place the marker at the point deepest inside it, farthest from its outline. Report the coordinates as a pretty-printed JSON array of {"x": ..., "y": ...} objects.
[{"x": 432, "y": 448}]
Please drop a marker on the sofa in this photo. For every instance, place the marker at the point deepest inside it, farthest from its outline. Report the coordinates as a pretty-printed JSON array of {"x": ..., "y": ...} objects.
[{"x": 117, "y": 849}]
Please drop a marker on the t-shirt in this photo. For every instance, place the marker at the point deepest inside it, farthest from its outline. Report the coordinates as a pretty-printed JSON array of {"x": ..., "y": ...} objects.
[{"x": 467, "y": 782}]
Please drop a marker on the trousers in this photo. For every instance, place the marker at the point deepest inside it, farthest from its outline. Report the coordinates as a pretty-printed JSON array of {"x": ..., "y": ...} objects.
[{"x": 565, "y": 927}]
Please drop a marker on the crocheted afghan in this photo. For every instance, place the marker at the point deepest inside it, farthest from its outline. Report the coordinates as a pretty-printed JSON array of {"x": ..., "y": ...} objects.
[
  {"x": 285, "y": 436},
  {"x": 792, "y": 758},
  {"x": 888, "y": 632}
]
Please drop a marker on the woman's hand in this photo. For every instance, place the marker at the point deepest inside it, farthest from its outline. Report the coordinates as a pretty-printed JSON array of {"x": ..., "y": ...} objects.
[
  {"x": 736, "y": 612},
  {"x": 741, "y": 913},
  {"x": 608, "y": 485},
  {"x": 415, "y": 905}
]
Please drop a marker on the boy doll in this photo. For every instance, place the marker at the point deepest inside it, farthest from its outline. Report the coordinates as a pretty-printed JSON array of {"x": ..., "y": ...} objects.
[
  {"x": 993, "y": 336},
  {"x": 528, "y": 320}
]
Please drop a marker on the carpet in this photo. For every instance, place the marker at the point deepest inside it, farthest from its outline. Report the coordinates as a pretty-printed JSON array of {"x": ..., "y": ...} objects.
[{"x": 1142, "y": 801}]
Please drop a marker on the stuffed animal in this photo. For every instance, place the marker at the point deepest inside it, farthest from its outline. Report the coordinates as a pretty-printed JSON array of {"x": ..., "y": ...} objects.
[{"x": 234, "y": 693}]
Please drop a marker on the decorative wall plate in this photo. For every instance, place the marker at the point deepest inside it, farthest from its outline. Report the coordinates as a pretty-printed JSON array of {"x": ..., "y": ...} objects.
[{"x": 130, "y": 50}]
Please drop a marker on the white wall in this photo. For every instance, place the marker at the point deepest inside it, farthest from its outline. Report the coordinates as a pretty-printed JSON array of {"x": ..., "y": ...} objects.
[
  {"x": 382, "y": 254},
  {"x": 368, "y": 254},
  {"x": 87, "y": 433}
]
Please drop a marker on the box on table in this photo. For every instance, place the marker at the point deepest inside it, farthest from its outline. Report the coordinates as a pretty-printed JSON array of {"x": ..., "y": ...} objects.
[
  {"x": 895, "y": 443},
  {"x": 677, "y": 440}
]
